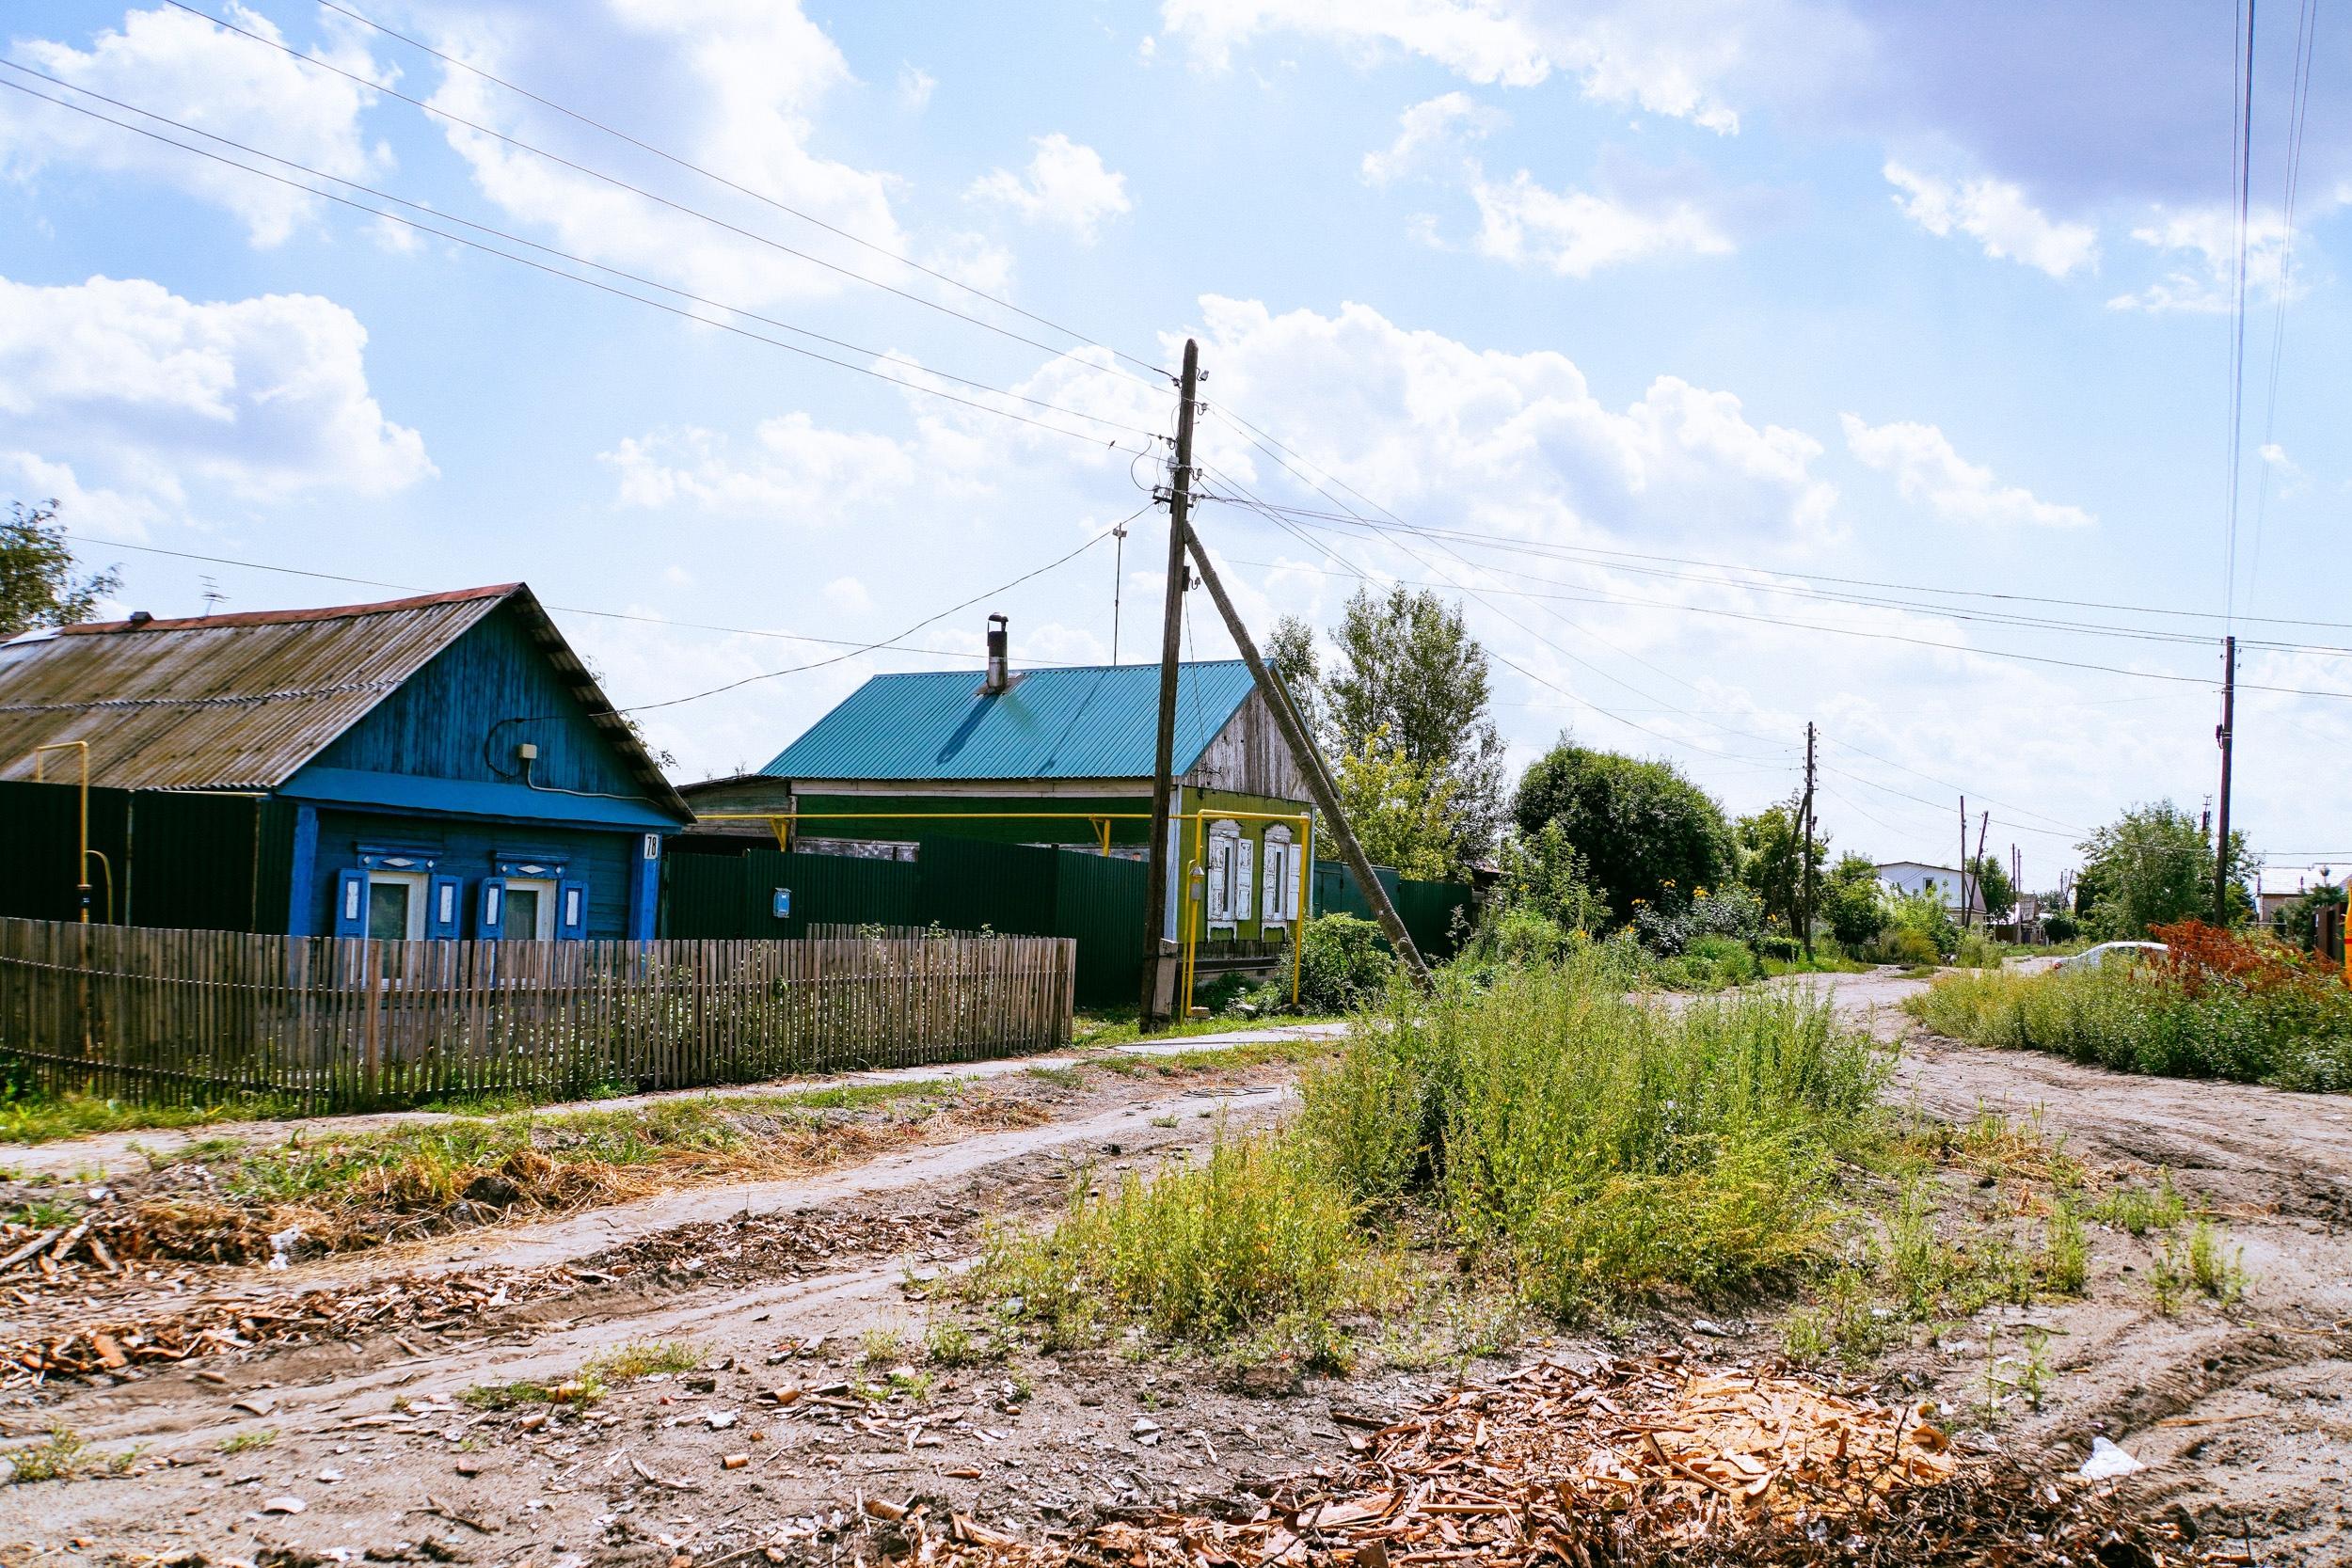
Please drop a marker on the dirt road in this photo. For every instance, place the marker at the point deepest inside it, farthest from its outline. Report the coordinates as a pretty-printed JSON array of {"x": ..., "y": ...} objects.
[{"x": 789, "y": 1294}]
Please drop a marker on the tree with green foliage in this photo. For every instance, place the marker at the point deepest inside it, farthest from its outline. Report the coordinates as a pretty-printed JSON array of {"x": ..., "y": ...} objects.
[
  {"x": 1640, "y": 825},
  {"x": 1772, "y": 859},
  {"x": 1409, "y": 671},
  {"x": 2298, "y": 921},
  {"x": 1995, "y": 893},
  {"x": 1402, "y": 810},
  {"x": 1852, "y": 903},
  {"x": 2152, "y": 865},
  {"x": 37, "y": 584},
  {"x": 1290, "y": 652}
]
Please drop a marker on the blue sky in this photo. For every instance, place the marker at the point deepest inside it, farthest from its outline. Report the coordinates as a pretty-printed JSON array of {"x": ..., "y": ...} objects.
[{"x": 1860, "y": 301}]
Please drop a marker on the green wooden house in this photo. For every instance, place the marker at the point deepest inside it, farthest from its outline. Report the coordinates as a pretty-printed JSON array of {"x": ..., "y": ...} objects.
[{"x": 1055, "y": 757}]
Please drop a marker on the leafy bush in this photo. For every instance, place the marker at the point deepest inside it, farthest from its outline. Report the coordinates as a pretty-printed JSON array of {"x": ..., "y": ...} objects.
[
  {"x": 1852, "y": 903},
  {"x": 1778, "y": 945},
  {"x": 1923, "y": 913},
  {"x": 1907, "y": 946},
  {"x": 2217, "y": 1006},
  {"x": 1343, "y": 961},
  {"x": 2060, "y": 927},
  {"x": 1671, "y": 923},
  {"x": 1977, "y": 951}
]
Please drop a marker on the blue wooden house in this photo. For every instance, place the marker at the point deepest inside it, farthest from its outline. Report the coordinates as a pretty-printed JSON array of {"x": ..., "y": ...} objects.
[{"x": 442, "y": 767}]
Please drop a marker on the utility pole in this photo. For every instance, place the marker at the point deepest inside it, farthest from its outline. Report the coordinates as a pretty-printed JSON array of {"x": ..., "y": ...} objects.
[
  {"x": 2221, "y": 735},
  {"x": 1807, "y": 902},
  {"x": 1150, "y": 1013},
  {"x": 1319, "y": 784},
  {"x": 1964, "y": 899},
  {"x": 1976, "y": 867}
]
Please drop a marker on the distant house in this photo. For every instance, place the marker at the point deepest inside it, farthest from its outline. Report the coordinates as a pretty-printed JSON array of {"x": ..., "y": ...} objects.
[
  {"x": 1913, "y": 878},
  {"x": 2281, "y": 885},
  {"x": 1053, "y": 756},
  {"x": 440, "y": 767}
]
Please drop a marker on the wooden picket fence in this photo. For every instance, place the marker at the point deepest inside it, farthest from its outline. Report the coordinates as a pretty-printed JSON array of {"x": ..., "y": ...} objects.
[{"x": 335, "y": 1023}]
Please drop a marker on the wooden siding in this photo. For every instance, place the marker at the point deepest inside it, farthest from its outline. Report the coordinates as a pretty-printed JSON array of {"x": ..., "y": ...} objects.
[
  {"x": 1249, "y": 756},
  {"x": 466, "y": 849},
  {"x": 450, "y": 719}
]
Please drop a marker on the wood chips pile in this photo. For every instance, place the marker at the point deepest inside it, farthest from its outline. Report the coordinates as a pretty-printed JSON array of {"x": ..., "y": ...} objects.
[
  {"x": 1635, "y": 1461},
  {"x": 165, "y": 1326}
]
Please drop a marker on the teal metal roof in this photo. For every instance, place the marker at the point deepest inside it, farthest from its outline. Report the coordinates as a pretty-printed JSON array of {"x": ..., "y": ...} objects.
[{"x": 1093, "y": 723}]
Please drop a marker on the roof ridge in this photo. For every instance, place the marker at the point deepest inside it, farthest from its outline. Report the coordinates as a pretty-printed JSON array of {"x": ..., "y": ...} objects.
[{"x": 280, "y": 617}]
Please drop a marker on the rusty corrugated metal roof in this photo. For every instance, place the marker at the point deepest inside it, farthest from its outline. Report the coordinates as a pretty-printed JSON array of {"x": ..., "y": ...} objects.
[{"x": 242, "y": 701}]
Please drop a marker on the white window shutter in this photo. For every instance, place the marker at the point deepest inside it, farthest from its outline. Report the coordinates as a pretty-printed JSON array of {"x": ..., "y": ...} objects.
[
  {"x": 1270, "y": 902},
  {"x": 1244, "y": 884},
  {"x": 1219, "y": 869}
]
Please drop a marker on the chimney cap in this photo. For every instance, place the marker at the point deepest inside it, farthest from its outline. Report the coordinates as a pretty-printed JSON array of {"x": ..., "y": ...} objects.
[{"x": 140, "y": 617}]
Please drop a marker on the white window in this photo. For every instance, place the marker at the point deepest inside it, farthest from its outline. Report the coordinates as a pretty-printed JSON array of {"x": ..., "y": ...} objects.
[
  {"x": 1279, "y": 904},
  {"x": 1222, "y": 855},
  {"x": 530, "y": 910},
  {"x": 396, "y": 906}
]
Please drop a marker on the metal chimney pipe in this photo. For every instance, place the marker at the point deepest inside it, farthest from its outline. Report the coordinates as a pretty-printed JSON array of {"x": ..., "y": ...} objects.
[{"x": 999, "y": 672}]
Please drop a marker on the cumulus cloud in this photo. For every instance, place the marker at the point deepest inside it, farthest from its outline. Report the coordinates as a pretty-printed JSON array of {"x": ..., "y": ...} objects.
[
  {"x": 1668, "y": 60},
  {"x": 1927, "y": 469},
  {"x": 914, "y": 86},
  {"x": 1439, "y": 125},
  {"x": 2200, "y": 246},
  {"x": 1066, "y": 185},
  {"x": 1998, "y": 217},
  {"x": 184, "y": 66},
  {"x": 1575, "y": 233},
  {"x": 266, "y": 397},
  {"x": 733, "y": 85}
]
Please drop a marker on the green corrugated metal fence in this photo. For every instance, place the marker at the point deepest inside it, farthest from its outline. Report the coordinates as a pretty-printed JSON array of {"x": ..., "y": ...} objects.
[
  {"x": 972, "y": 885},
  {"x": 214, "y": 862}
]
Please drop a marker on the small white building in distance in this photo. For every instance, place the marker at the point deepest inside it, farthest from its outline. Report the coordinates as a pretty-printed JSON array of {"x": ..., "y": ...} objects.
[
  {"x": 2281, "y": 885},
  {"x": 1912, "y": 877}
]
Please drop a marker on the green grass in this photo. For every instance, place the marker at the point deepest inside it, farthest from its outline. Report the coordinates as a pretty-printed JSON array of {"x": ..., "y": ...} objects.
[
  {"x": 644, "y": 1358},
  {"x": 1585, "y": 1149},
  {"x": 1289, "y": 1050},
  {"x": 62, "y": 1456},
  {"x": 581, "y": 1390},
  {"x": 1254, "y": 1237},
  {"x": 245, "y": 1441},
  {"x": 2140, "y": 1210},
  {"x": 1118, "y": 1028},
  {"x": 2140, "y": 1019},
  {"x": 37, "y": 1118}
]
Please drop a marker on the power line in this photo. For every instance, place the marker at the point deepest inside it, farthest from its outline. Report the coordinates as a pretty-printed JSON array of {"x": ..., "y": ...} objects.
[
  {"x": 2306, "y": 40},
  {"x": 589, "y": 282},
  {"x": 894, "y": 646},
  {"x": 2241, "y": 168},
  {"x": 818, "y": 664},
  {"x": 639, "y": 191},
  {"x": 1596, "y": 596},
  {"x": 762, "y": 197}
]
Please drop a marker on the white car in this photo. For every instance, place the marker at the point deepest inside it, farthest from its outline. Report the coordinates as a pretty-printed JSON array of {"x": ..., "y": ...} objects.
[{"x": 2091, "y": 958}]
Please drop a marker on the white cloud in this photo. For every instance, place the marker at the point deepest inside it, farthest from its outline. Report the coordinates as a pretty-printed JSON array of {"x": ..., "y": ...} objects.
[
  {"x": 1668, "y": 60},
  {"x": 1575, "y": 233},
  {"x": 797, "y": 475},
  {"x": 1518, "y": 442},
  {"x": 915, "y": 88},
  {"x": 731, "y": 85},
  {"x": 2200, "y": 244},
  {"x": 1997, "y": 216},
  {"x": 183, "y": 66},
  {"x": 1927, "y": 468},
  {"x": 849, "y": 596},
  {"x": 1441, "y": 124},
  {"x": 1066, "y": 185},
  {"x": 267, "y": 397},
  {"x": 110, "y": 513}
]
